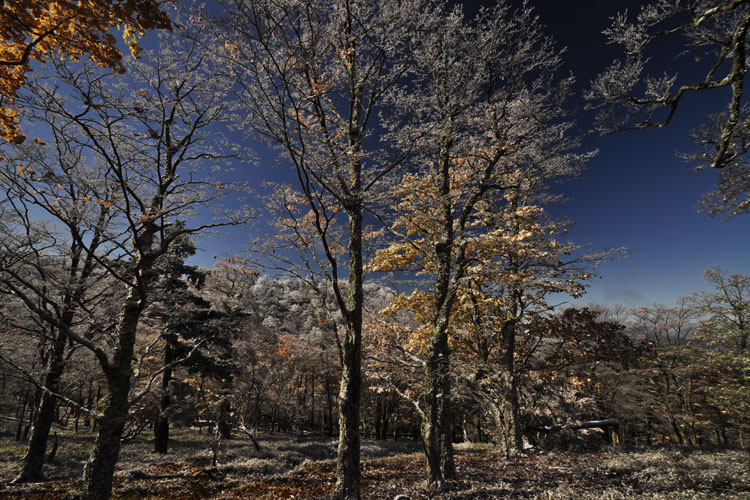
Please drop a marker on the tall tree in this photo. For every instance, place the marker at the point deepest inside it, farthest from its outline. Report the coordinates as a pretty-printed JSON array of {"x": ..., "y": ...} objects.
[
  {"x": 715, "y": 33},
  {"x": 47, "y": 267},
  {"x": 185, "y": 317},
  {"x": 516, "y": 268},
  {"x": 312, "y": 76},
  {"x": 149, "y": 137},
  {"x": 34, "y": 30},
  {"x": 484, "y": 114}
]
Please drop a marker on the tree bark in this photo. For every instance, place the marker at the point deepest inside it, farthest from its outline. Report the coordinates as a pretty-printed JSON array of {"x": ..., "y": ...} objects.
[
  {"x": 223, "y": 422},
  {"x": 384, "y": 425},
  {"x": 329, "y": 401},
  {"x": 347, "y": 462},
  {"x": 509, "y": 405},
  {"x": 100, "y": 467},
  {"x": 436, "y": 425},
  {"x": 312, "y": 401},
  {"x": 20, "y": 414},
  {"x": 33, "y": 460},
  {"x": 447, "y": 465},
  {"x": 161, "y": 429}
]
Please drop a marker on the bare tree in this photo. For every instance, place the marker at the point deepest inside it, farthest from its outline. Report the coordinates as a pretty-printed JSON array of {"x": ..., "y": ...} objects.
[
  {"x": 714, "y": 33},
  {"x": 46, "y": 266},
  {"x": 669, "y": 365},
  {"x": 147, "y": 137},
  {"x": 312, "y": 76},
  {"x": 726, "y": 328}
]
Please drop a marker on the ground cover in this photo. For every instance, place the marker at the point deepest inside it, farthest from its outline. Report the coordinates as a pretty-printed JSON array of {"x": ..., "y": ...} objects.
[{"x": 303, "y": 468}]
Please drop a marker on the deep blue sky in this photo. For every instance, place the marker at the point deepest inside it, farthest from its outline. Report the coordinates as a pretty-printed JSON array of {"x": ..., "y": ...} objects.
[{"x": 636, "y": 193}]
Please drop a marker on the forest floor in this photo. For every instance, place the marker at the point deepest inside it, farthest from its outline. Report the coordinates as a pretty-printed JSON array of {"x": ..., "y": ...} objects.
[{"x": 289, "y": 467}]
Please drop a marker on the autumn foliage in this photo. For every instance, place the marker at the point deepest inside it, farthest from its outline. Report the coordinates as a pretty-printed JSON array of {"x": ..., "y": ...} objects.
[{"x": 35, "y": 30}]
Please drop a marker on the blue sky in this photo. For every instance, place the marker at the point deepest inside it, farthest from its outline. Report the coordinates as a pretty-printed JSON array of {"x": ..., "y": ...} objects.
[{"x": 636, "y": 193}]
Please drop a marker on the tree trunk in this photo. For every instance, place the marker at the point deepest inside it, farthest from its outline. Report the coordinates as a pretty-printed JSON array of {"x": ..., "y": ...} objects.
[
  {"x": 97, "y": 397},
  {"x": 388, "y": 411},
  {"x": 329, "y": 401},
  {"x": 33, "y": 407},
  {"x": 673, "y": 422},
  {"x": 378, "y": 417},
  {"x": 100, "y": 467},
  {"x": 509, "y": 405},
  {"x": 436, "y": 424},
  {"x": 161, "y": 428},
  {"x": 21, "y": 414},
  {"x": 447, "y": 465},
  {"x": 33, "y": 461},
  {"x": 223, "y": 421},
  {"x": 53, "y": 451},
  {"x": 347, "y": 461},
  {"x": 511, "y": 431},
  {"x": 161, "y": 434},
  {"x": 312, "y": 402}
]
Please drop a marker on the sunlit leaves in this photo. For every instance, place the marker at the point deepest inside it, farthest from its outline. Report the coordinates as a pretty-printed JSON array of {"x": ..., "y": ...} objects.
[{"x": 34, "y": 30}]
